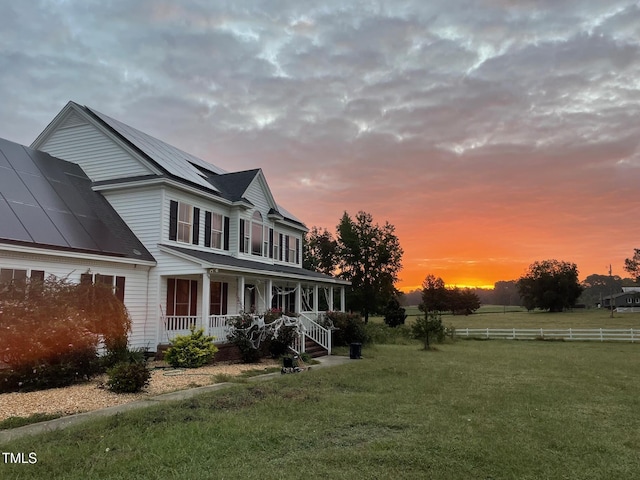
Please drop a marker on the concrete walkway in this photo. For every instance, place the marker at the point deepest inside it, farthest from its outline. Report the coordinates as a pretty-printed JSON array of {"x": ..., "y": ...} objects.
[{"x": 64, "y": 422}]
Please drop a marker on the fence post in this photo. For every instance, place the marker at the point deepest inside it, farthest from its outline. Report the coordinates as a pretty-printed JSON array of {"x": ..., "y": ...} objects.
[
  {"x": 632, "y": 341},
  {"x": 514, "y": 333},
  {"x": 541, "y": 333},
  {"x": 601, "y": 338},
  {"x": 487, "y": 333},
  {"x": 570, "y": 334}
]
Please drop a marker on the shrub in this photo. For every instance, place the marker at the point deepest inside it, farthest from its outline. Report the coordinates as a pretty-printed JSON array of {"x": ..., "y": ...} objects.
[
  {"x": 127, "y": 377},
  {"x": 428, "y": 328},
  {"x": 394, "y": 314},
  {"x": 348, "y": 328},
  {"x": 191, "y": 351},
  {"x": 279, "y": 345},
  {"x": 379, "y": 333},
  {"x": 50, "y": 332}
]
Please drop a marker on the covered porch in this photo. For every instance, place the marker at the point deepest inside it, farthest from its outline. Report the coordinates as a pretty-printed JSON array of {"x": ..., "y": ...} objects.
[{"x": 221, "y": 288}]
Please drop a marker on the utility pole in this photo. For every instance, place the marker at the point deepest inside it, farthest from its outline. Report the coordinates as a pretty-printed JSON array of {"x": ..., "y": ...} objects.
[{"x": 611, "y": 290}]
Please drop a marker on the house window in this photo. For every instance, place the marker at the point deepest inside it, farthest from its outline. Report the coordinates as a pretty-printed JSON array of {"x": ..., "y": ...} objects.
[
  {"x": 276, "y": 246},
  {"x": 182, "y": 297},
  {"x": 256, "y": 233},
  {"x": 245, "y": 236},
  {"x": 629, "y": 299},
  {"x": 218, "y": 303},
  {"x": 185, "y": 222},
  {"x": 13, "y": 276},
  {"x": 265, "y": 241},
  {"x": 292, "y": 254},
  {"x": 117, "y": 283}
]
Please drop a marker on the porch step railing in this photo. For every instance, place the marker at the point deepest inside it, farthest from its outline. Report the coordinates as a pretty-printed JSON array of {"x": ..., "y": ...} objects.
[
  {"x": 217, "y": 326},
  {"x": 315, "y": 331}
]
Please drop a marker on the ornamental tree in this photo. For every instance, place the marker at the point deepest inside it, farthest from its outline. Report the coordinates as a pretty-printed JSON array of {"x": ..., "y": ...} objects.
[
  {"x": 370, "y": 257},
  {"x": 550, "y": 285},
  {"x": 632, "y": 265}
]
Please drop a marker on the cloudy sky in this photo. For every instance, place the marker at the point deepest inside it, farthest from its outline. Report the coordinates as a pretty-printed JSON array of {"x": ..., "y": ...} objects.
[{"x": 491, "y": 133}]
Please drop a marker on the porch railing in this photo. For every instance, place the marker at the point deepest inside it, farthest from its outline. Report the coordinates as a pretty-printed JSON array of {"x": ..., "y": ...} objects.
[
  {"x": 218, "y": 326},
  {"x": 315, "y": 331}
]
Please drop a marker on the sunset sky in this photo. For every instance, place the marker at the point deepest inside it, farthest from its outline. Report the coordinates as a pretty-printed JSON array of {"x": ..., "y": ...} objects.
[{"x": 491, "y": 133}]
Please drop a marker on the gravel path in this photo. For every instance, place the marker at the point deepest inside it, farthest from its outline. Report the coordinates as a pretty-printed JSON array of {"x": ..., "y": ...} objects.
[{"x": 93, "y": 395}]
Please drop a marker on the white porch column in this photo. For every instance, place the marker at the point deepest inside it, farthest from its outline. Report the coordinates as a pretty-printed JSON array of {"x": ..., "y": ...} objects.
[
  {"x": 241, "y": 293},
  {"x": 315, "y": 298},
  {"x": 298, "y": 297},
  {"x": 342, "y": 300},
  {"x": 206, "y": 301},
  {"x": 330, "y": 306},
  {"x": 268, "y": 294}
]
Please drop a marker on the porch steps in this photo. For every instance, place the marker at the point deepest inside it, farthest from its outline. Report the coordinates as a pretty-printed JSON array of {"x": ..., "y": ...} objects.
[{"x": 313, "y": 349}]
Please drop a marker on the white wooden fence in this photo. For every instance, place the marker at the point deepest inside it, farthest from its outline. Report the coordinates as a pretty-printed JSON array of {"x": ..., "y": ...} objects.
[{"x": 581, "y": 334}]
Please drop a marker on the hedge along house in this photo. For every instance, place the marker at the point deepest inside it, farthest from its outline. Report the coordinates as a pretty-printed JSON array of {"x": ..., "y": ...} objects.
[
  {"x": 53, "y": 223},
  {"x": 221, "y": 243}
]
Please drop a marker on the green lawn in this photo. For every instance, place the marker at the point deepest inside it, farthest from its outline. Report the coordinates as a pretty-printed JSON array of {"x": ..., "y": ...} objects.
[
  {"x": 470, "y": 410},
  {"x": 497, "y": 316}
]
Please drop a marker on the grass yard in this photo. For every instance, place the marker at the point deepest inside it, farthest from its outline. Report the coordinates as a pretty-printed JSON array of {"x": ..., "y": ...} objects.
[
  {"x": 471, "y": 410},
  {"x": 497, "y": 316}
]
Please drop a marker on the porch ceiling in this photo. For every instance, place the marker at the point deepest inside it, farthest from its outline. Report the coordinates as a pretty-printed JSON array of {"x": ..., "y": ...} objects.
[{"x": 229, "y": 263}]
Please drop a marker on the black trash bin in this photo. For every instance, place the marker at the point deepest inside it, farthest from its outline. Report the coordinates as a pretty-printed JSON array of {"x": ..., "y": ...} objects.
[{"x": 355, "y": 351}]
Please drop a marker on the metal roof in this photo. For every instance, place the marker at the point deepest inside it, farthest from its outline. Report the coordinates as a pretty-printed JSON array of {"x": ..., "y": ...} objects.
[
  {"x": 48, "y": 202},
  {"x": 173, "y": 160},
  {"x": 220, "y": 260}
]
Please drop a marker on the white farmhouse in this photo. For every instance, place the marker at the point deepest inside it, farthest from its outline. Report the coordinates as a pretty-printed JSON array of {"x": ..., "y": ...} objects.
[{"x": 194, "y": 245}]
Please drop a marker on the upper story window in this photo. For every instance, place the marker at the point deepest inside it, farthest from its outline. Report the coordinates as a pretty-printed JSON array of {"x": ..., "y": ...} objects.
[
  {"x": 184, "y": 222},
  {"x": 256, "y": 233},
  {"x": 216, "y": 230}
]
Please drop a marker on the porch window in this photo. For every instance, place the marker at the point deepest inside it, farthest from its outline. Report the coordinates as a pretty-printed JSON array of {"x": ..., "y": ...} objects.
[
  {"x": 182, "y": 297},
  {"x": 219, "y": 294}
]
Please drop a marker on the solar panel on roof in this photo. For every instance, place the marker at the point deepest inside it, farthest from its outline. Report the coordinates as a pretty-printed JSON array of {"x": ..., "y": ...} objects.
[
  {"x": 38, "y": 224},
  {"x": 10, "y": 226},
  {"x": 13, "y": 189},
  {"x": 172, "y": 159},
  {"x": 42, "y": 190},
  {"x": 18, "y": 158},
  {"x": 74, "y": 233}
]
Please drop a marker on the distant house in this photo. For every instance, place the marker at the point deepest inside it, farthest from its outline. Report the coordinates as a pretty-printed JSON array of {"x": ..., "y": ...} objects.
[
  {"x": 626, "y": 301},
  {"x": 190, "y": 243}
]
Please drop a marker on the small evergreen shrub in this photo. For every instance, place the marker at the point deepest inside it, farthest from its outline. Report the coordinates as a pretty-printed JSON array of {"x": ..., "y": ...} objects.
[
  {"x": 191, "y": 351},
  {"x": 428, "y": 328},
  {"x": 394, "y": 314},
  {"x": 128, "y": 377}
]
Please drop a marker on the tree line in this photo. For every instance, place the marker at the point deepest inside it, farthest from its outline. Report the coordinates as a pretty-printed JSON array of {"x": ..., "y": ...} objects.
[{"x": 369, "y": 255}]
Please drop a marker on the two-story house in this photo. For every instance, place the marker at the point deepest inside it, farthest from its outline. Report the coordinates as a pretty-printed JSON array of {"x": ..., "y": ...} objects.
[{"x": 217, "y": 242}]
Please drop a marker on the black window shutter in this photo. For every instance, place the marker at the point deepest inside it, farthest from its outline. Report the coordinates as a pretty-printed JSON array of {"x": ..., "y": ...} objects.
[
  {"x": 242, "y": 236},
  {"x": 120, "y": 288},
  {"x": 171, "y": 296},
  {"x": 297, "y": 250},
  {"x": 196, "y": 225},
  {"x": 281, "y": 249},
  {"x": 173, "y": 220},
  {"x": 193, "y": 304},
  {"x": 225, "y": 295},
  {"x": 207, "y": 229},
  {"x": 226, "y": 233},
  {"x": 271, "y": 243},
  {"x": 286, "y": 248}
]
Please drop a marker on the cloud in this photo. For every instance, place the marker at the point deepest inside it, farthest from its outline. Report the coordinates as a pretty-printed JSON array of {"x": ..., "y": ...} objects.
[{"x": 504, "y": 127}]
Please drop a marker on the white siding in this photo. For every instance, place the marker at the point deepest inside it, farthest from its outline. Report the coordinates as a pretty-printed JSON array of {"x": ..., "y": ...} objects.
[
  {"x": 255, "y": 194},
  {"x": 99, "y": 156},
  {"x": 135, "y": 291}
]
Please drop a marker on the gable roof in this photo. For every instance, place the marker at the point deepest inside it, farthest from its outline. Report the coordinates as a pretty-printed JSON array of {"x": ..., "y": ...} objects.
[
  {"x": 48, "y": 202},
  {"x": 175, "y": 163}
]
